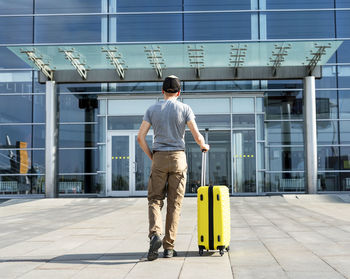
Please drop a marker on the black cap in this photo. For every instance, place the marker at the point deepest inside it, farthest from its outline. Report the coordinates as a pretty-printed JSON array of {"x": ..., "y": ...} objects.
[{"x": 171, "y": 84}]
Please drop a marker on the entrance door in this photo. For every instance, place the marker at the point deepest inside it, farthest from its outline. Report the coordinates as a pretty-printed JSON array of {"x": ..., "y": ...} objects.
[{"x": 128, "y": 167}]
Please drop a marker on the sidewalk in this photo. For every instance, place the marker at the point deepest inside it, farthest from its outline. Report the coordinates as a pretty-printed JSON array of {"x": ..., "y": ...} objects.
[{"x": 272, "y": 237}]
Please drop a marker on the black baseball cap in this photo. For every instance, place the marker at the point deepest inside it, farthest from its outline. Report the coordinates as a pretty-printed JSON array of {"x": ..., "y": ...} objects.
[{"x": 172, "y": 84}]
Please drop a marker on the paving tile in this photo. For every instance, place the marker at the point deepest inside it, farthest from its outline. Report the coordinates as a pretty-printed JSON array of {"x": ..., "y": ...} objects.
[
  {"x": 314, "y": 275},
  {"x": 252, "y": 272},
  {"x": 340, "y": 263}
]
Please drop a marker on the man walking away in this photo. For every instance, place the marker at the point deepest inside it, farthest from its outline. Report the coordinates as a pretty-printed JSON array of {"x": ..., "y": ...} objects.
[{"x": 169, "y": 167}]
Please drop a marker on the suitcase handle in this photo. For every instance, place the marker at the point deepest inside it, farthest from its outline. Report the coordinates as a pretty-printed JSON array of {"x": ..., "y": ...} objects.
[{"x": 204, "y": 167}]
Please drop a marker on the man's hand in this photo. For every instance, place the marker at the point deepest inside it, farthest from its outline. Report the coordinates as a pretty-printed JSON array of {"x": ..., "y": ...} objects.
[
  {"x": 205, "y": 147},
  {"x": 141, "y": 138}
]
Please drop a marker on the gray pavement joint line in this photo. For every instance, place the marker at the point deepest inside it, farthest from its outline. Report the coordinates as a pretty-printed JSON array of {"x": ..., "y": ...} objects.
[
  {"x": 131, "y": 269},
  {"x": 308, "y": 249},
  {"x": 229, "y": 258},
  {"x": 272, "y": 255},
  {"x": 188, "y": 248}
]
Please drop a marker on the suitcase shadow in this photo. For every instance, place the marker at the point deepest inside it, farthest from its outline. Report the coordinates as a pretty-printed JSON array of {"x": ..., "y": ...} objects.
[{"x": 195, "y": 254}]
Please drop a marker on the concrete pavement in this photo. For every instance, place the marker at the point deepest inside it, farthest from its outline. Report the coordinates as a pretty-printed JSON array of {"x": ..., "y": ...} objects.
[{"x": 272, "y": 237}]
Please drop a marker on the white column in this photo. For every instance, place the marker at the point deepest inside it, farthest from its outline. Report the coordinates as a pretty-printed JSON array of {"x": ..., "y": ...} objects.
[
  {"x": 310, "y": 135},
  {"x": 51, "y": 142}
]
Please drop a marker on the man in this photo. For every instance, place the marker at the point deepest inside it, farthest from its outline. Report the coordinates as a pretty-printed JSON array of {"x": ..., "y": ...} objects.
[{"x": 169, "y": 167}]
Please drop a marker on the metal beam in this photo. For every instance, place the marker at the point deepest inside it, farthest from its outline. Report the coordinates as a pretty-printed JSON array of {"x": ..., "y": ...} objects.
[
  {"x": 185, "y": 74},
  {"x": 51, "y": 142},
  {"x": 310, "y": 135}
]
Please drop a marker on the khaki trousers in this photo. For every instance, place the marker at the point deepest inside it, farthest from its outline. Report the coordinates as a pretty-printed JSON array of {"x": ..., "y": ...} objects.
[{"x": 168, "y": 178}]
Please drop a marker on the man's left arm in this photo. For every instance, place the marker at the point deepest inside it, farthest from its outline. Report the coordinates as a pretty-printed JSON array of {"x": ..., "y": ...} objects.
[{"x": 141, "y": 138}]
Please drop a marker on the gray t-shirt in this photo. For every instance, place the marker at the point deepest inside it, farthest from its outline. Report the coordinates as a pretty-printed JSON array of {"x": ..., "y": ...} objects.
[{"x": 168, "y": 119}]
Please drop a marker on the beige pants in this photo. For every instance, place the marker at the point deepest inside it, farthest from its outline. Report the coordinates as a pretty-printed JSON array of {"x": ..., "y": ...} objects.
[{"x": 168, "y": 177}]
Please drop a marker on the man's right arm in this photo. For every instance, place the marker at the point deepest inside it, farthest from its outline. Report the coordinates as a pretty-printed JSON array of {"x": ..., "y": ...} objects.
[{"x": 192, "y": 125}]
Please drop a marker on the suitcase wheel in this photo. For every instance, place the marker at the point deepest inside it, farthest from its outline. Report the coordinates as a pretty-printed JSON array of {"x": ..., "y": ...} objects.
[
  {"x": 201, "y": 252},
  {"x": 222, "y": 252},
  {"x": 228, "y": 248}
]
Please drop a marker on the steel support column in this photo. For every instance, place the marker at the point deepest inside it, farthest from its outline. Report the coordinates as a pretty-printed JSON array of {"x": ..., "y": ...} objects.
[
  {"x": 51, "y": 143},
  {"x": 310, "y": 135}
]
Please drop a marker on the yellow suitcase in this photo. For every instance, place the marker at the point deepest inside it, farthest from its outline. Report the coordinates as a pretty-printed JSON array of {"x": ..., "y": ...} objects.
[{"x": 214, "y": 221}]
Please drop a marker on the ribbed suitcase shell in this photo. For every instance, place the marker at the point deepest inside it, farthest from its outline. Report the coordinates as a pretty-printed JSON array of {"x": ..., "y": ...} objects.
[{"x": 214, "y": 228}]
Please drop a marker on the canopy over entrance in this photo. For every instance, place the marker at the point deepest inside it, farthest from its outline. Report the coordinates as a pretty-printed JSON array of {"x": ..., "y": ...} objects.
[{"x": 189, "y": 61}]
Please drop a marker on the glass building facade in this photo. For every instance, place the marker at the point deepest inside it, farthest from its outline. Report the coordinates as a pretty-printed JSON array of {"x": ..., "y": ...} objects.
[{"x": 255, "y": 128}]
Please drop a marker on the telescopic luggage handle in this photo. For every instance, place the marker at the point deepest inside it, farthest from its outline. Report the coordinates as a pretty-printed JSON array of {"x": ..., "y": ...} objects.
[{"x": 204, "y": 167}]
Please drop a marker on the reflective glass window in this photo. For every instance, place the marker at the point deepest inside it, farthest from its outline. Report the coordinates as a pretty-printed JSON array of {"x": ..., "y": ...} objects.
[
  {"x": 326, "y": 104},
  {"x": 342, "y": 4},
  {"x": 78, "y": 184},
  {"x": 216, "y": 85},
  {"x": 129, "y": 107},
  {"x": 209, "y": 105},
  {"x": 16, "y": 109},
  {"x": 16, "y": 7},
  {"x": 243, "y": 105},
  {"x": 213, "y": 121},
  {"x": 208, "y": 5},
  {"x": 345, "y": 158},
  {"x": 149, "y": 6},
  {"x": 78, "y": 108},
  {"x": 343, "y": 24},
  {"x": 286, "y": 158},
  {"x": 78, "y": 135},
  {"x": 78, "y": 161},
  {"x": 298, "y": 25},
  {"x": 327, "y": 132},
  {"x": 22, "y": 184},
  {"x": 124, "y": 122},
  {"x": 39, "y": 136},
  {"x": 15, "y": 82},
  {"x": 284, "y": 105},
  {"x": 345, "y": 181},
  {"x": 260, "y": 107},
  {"x": 223, "y": 26},
  {"x": 299, "y": 4},
  {"x": 261, "y": 156},
  {"x": 284, "y": 84},
  {"x": 344, "y": 53},
  {"x": 19, "y": 30},
  {"x": 284, "y": 182},
  {"x": 16, "y": 133},
  {"x": 80, "y": 88},
  {"x": 344, "y": 104},
  {"x": 101, "y": 129},
  {"x": 67, "y": 29},
  {"x": 149, "y": 27},
  {"x": 136, "y": 87},
  {"x": 243, "y": 121},
  {"x": 39, "y": 109},
  {"x": 344, "y": 76},
  {"x": 285, "y": 132},
  {"x": 328, "y": 181},
  {"x": 67, "y": 6},
  {"x": 10, "y": 61},
  {"x": 38, "y": 162},
  {"x": 328, "y": 157},
  {"x": 260, "y": 127},
  {"x": 328, "y": 79},
  {"x": 344, "y": 127},
  {"x": 15, "y": 161}
]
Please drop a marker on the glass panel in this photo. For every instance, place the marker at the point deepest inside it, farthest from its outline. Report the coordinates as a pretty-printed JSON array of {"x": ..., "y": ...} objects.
[
  {"x": 328, "y": 181},
  {"x": 328, "y": 158},
  {"x": 143, "y": 166},
  {"x": 153, "y": 6},
  {"x": 344, "y": 127},
  {"x": 16, "y": 133},
  {"x": 242, "y": 105},
  {"x": 129, "y": 107},
  {"x": 286, "y": 158},
  {"x": 284, "y": 182},
  {"x": 206, "y": 106},
  {"x": 326, "y": 104},
  {"x": 102, "y": 107},
  {"x": 22, "y": 185},
  {"x": 327, "y": 132},
  {"x": 344, "y": 76},
  {"x": 328, "y": 79},
  {"x": 219, "y": 159},
  {"x": 58, "y": 29},
  {"x": 343, "y": 52},
  {"x": 342, "y": 4},
  {"x": 124, "y": 122},
  {"x": 67, "y": 6},
  {"x": 15, "y": 161},
  {"x": 260, "y": 127},
  {"x": 285, "y": 84},
  {"x": 77, "y": 184},
  {"x": 285, "y": 132},
  {"x": 102, "y": 157},
  {"x": 345, "y": 158},
  {"x": 39, "y": 136},
  {"x": 16, "y": 109},
  {"x": 344, "y": 104},
  {"x": 38, "y": 162},
  {"x": 22, "y": 27},
  {"x": 78, "y": 161},
  {"x": 16, "y": 7},
  {"x": 101, "y": 129},
  {"x": 78, "y": 108},
  {"x": 216, "y": 85},
  {"x": 11, "y": 61},
  {"x": 148, "y": 27},
  {"x": 343, "y": 24},
  {"x": 212, "y": 26},
  {"x": 101, "y": 183},
  {"x": 260, "y": 107},
  {"x": 204, "y": 5},
  {"x": 39, "y": 110},
  {"x": 78, "y": 135},
  {"x": 261, "y": 156},
  {"x": 300, "y": 4},
  {"x": 243, "y": 121},
  {"x": 194, "y": 162},
  {"x": 16, "y": 82},
  {"x": 345, "y": 181},
  {"x": 284, "y": 105},
  {"x": 213, "y": 121},
  {"x": 244, "y": 178},
  {"x": 80, "y": 88},
  {"x": 297, "y": 25},
  {"x": 120, "y": 163}
]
